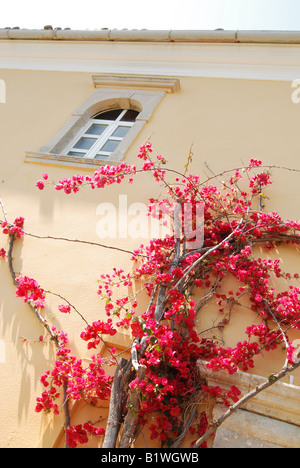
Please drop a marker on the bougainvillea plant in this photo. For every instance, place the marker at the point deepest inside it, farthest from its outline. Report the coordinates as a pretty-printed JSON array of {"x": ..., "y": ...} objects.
[{"x": 161, "y": 385}]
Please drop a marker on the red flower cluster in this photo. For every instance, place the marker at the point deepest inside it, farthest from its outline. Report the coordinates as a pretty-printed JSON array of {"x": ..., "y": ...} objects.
[
  {"x": 231, "y": 359},
  {"x": 29, "y": 291},
  {"x": 15, "y": 229},
  {"x": 104, "y": 176},
  {"x": 89, "y": 383},
  {"x": 46, "y": 402},
  {"x": 93, "y": 331},
  {"x": 79, "y": 434},
  {"x": 64, "y": 309},
  {"x": 223, "y": 396},
  {"x": 40, "y": 183}
]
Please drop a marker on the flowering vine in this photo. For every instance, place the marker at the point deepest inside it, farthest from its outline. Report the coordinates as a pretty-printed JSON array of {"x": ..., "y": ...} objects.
[{"x": 162, "y": 378}]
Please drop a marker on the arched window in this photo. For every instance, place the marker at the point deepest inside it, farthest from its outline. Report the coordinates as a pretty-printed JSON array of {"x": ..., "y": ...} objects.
[
  {"x": 107, "y": 123},
  {"x": 102, "y": 134}
]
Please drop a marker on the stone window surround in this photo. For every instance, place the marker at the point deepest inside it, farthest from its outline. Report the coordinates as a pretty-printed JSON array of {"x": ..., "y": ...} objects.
[
  {"x": 139, "y": 93},
  {"x": 269, "y": 420}
]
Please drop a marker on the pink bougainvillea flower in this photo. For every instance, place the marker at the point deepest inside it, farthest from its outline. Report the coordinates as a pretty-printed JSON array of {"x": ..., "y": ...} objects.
[
  {"x": 64, "y": 309},
  {"x": 40, "y": 184}
]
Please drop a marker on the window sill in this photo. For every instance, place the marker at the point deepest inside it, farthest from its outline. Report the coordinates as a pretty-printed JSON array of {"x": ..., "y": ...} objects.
[{"x": 68, "y": 161}]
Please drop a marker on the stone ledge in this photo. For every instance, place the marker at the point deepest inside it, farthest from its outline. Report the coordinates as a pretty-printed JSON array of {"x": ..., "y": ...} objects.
[
  {"x": 281, "y": 401},
  {"x": 69, "y": 161},
  {"x": 244, "y": 429}
]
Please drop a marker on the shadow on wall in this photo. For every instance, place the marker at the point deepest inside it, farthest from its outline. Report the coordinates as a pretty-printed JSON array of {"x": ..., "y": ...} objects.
[{"x": 23, "y": 357}]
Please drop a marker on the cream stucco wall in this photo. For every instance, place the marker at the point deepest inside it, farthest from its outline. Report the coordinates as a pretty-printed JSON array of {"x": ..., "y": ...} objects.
[{"x": 226, "y": 120}]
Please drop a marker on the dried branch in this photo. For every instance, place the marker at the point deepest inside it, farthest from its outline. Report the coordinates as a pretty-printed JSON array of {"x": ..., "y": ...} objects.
[
  {"x": 115, "y": 406},
  {"x": 132, "y": 403}
]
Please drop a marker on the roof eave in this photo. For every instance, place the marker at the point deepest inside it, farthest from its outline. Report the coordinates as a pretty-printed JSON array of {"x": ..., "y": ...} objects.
[{"x": 144, "y": 35}]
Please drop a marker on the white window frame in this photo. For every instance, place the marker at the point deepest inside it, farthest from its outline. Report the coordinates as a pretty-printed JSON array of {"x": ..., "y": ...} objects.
[
  {"x": 100, "y": 141},
  {"x": 139, "y": 93}
]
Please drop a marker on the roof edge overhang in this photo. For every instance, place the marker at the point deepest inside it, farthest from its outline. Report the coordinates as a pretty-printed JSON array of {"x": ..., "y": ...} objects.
[{"x": 145, "y": 35}]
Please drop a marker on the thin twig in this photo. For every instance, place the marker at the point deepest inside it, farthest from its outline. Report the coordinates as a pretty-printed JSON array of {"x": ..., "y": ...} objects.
[
  {"x": 79, "y": 241},
  {"x": 3, "y": 210},
  {"x": 281, "y": 330},
  {"x": 69, "y": 303}
]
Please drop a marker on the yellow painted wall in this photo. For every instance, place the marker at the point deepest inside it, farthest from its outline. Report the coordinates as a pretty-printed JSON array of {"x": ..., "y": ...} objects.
[{"x": 227, "y": 121}]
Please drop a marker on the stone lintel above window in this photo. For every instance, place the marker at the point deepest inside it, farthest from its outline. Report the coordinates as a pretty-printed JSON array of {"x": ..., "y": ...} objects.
[{"x": 154, "y": 83}]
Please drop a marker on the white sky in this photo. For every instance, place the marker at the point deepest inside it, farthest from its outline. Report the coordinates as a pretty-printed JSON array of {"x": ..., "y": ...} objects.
[{"x": 154, "y": 14}]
